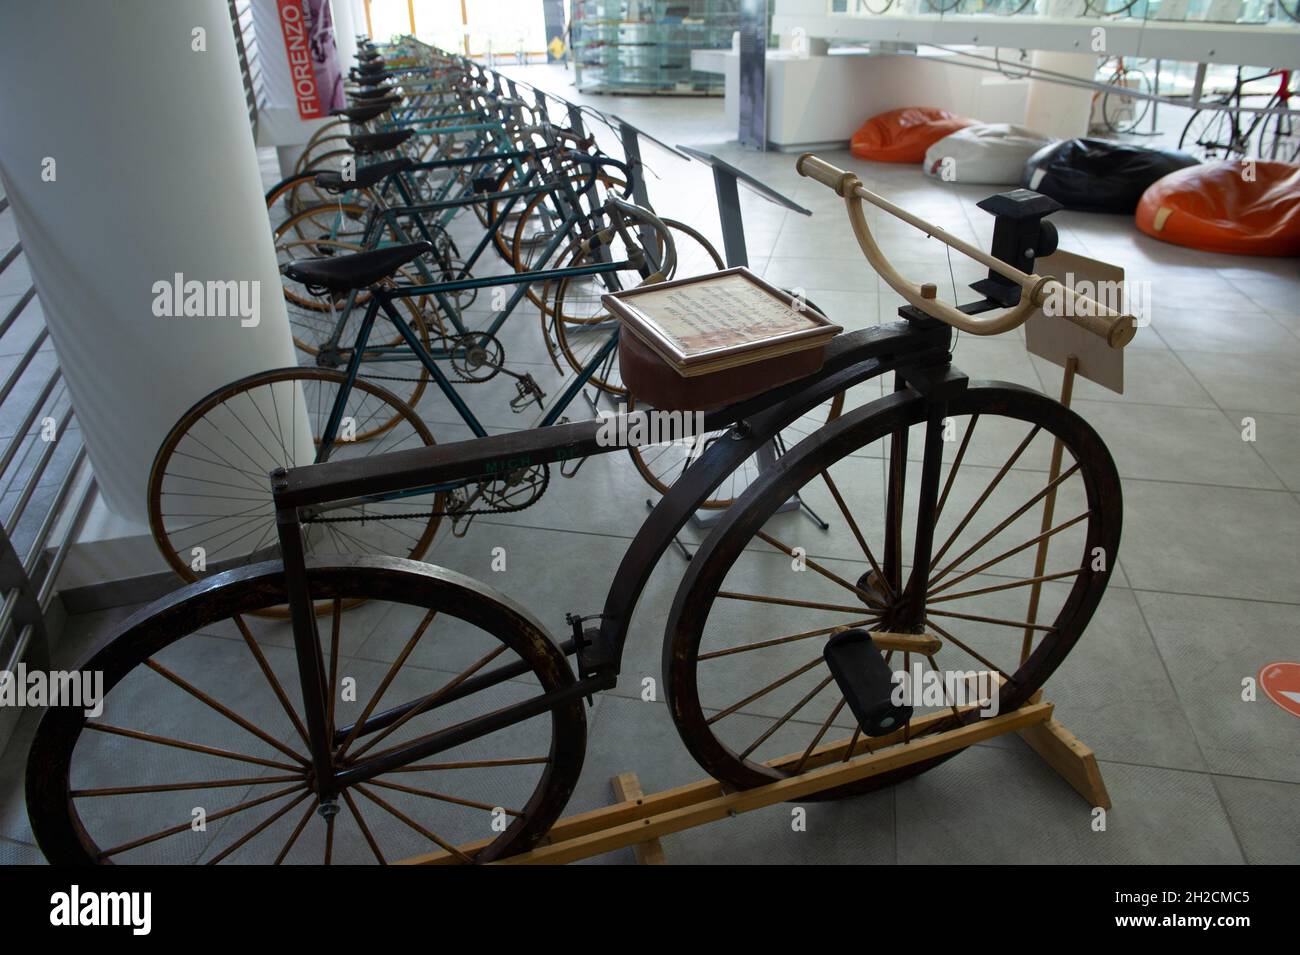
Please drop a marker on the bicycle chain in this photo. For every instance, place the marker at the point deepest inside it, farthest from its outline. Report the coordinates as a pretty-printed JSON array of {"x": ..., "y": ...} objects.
[{"x": 458, "y": 378}]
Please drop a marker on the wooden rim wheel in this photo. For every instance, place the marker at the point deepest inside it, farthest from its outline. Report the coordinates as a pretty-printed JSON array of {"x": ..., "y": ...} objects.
[
  {"x": 202, "y": 720},
  {"x": 209, "y": 486},
  {"x": 661, "y": 465},
  {"x": 578, "y": 319},
  {"x": 747, "y": 680}
]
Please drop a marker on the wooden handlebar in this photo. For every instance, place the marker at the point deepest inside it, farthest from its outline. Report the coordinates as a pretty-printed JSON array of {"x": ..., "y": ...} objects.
[{"x": 1118, "y": 329}]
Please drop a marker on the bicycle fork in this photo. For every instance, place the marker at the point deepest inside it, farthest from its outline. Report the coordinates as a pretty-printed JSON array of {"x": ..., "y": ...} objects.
[{"x": 307, "y": 648}]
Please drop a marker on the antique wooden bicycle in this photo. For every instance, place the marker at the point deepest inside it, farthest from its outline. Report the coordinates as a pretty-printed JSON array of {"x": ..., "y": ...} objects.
[{"x": 441, "y": 715}]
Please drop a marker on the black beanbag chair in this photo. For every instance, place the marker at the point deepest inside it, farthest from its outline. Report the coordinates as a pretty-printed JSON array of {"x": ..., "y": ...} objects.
[{"x": 1096, "y": 175}]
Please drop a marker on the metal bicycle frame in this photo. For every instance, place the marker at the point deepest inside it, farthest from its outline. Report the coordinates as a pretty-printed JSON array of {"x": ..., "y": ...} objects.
[
  {"x": 917, "y": 351},
  {"x": 568, "y": 210},
  {"x": 383, "y": 298}
]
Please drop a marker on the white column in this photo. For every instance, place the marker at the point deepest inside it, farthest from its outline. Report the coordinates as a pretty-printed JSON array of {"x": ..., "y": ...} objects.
[
  {"x": 129, "y": 160},
  {"x": 345, "y": 34},
  {"x": 1055, "y": 109}
]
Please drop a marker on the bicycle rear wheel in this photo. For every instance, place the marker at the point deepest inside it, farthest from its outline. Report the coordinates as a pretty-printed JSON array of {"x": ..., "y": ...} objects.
[
  {"x": 209, "y": 494},
  {"x": 201, "y": 755}
]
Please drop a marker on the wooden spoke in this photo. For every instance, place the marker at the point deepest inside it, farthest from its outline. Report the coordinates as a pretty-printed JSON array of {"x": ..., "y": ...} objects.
[
  {"x": 961, "y": 646},
  {"x": 853, "y": 745},
  {"x": 222, "y": 709},
  {"x": 798, "y": 768},
  {"x": 276, "y": 688},
  {"x": 955, "y": 710},
  {"x": 996, "y": 621},
  {"x": 788, "y": 602},
  {"x": 1027, "y": 582},
  {"x": 428, "y": 834},
  {"x": 185, "y": 826},
  {"x": 179, "y": 787},
  {"x": 293, "y": 836},
  {"x": 471, "y": 764},
  {"x": 443, "y": 797},
  {"x": 365, "y": 830},
  {"x": 813, "y": 565},
  {"x": 765, "y": 690},
  {"x": 1006, "y": 554},
  {"x": 186, "y": 745},
  {"x": 1011, "y": 518},
  {"x": 429, "y": 700},
  {"x": 979, "y": 502},
  {"x": 956, "y": 464},
  {"x": 388, "y": 679},
  {"x": 260, "y": 827},
  {"x": 853, "y": 526},
  {"x": 907, "y": 668},
  {"x": 777, "y": 641},
  {"x": 786, "y": 717}
]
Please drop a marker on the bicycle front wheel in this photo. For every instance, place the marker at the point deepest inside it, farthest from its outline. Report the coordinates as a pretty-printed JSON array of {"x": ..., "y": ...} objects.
[{"x": 748, "y": 684}]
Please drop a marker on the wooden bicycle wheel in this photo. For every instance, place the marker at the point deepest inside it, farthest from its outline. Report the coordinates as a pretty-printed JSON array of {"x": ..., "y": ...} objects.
[
  {"x": 747, "y": 681},
  {"x": 209, "y": 494},
  {"x": 579, "y": 321},
  {"x": 662, "y": 464},
  {"x": 331, "y": 222},
  {"x": 200, "y": 754}
]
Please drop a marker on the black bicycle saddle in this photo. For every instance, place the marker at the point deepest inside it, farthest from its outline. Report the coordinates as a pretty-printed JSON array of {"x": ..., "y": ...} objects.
[{"x": 343, "y": 273}]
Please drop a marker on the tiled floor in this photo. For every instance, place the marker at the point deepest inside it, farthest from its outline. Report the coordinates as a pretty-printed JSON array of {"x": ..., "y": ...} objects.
[{"x": 1205, "y": 594}]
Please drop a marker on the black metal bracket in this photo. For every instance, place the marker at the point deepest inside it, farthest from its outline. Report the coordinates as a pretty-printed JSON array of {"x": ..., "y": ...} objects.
[
  {"x": 938, "y": 384},
  {"x": 1020, "y": 236},
  {"x": 595, "y": 657}
]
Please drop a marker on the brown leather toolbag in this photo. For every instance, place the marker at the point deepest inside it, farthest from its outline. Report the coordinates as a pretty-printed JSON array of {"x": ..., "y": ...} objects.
[{"x": 708, "y": 341}]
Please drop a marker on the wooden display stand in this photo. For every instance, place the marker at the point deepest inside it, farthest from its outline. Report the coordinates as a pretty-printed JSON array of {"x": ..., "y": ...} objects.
[{"x": 638, "y": 821}]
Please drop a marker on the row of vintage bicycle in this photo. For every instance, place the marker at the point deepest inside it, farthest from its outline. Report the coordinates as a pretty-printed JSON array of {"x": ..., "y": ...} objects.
[{"x": 328, "y": 673}]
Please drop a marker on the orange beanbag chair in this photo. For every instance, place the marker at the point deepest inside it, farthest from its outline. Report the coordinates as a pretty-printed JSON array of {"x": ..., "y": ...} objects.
[
  {"x": 903, "y": 135},
  {"x": 1219, "y": 207}
]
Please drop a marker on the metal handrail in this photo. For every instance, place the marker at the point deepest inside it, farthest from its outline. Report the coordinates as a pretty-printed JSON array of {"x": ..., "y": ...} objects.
[{"x": 29, "y": 566}]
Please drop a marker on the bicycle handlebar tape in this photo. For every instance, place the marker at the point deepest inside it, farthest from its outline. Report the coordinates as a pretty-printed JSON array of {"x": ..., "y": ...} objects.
[{"x": 866, "y": 681}]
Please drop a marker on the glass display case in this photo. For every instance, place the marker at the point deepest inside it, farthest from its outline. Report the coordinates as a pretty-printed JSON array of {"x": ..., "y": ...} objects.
[{"x": 644, "y": 46}]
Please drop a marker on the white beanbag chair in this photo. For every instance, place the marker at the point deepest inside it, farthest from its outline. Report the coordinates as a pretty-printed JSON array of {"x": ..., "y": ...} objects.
[{"x": 988, "y": 153}]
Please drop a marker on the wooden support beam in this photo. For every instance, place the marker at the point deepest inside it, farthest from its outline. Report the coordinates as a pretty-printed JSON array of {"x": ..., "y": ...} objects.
[
  {"x": 1073, "y": 760},
  {"x": 627, "y": 788},
  {"x": 660, "y": 814}
]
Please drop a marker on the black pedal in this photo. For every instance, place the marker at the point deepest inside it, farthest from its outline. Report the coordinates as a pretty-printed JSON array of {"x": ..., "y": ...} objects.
[
  {"x": 866, "y": 681},
  {"x": 486, "y": 183}
]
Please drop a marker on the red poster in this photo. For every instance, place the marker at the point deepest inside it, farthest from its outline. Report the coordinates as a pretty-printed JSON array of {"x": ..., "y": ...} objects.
[{"x": 297, "y": 43}]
